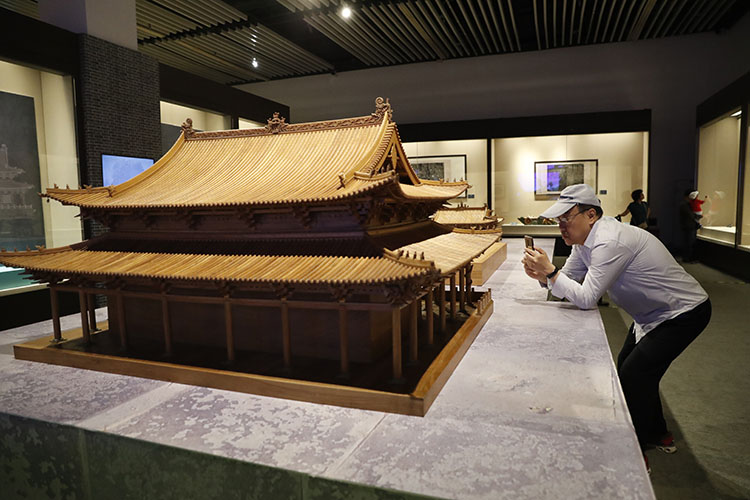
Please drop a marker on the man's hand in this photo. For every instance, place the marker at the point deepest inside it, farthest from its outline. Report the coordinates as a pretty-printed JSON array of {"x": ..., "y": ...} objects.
[
  {"x": 536, "y": 264},
  {"x": 541, "y": 278}
]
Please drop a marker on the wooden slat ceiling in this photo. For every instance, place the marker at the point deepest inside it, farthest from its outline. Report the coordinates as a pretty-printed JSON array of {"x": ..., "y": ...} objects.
[{"x": 288, "y": 38}]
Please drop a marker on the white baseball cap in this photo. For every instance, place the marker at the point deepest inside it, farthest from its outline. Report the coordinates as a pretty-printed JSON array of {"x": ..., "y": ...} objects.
[
  {"x": 571, "y": 196},
  {"x": 693, "y": 195}
]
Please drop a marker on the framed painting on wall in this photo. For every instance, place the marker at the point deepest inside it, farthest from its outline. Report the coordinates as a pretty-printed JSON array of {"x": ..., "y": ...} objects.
[
  {"x": 551, "y": 177},
  {"x": 448, "y": 168},
  {"x": 21, "y": 216}
]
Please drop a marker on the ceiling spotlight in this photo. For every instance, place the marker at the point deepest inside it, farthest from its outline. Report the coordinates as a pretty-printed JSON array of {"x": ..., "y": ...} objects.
[
  {"x": 738, "y": 113},
  {"x": 346, "y": 12},
  {"x": 255, "y": 63}
]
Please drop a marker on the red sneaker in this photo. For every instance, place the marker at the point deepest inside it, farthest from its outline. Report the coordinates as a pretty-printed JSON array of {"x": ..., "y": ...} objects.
[{"x": 665, "y": 443}]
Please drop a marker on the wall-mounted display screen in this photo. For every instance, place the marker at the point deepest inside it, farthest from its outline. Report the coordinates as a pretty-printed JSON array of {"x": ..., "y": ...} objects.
[{"x": 118, "y": 169}]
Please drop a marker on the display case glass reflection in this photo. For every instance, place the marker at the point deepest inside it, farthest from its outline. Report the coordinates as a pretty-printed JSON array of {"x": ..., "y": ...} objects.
[{"x": 718, "y": 176}]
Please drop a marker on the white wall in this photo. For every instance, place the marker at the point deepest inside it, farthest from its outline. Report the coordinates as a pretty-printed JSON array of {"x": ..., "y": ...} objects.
[
  {"x": 110, "y": 20},
  {"x": 243, "y": 124},
  {"x": 176, "y": 114},
  {"x": 669, "y": 76}
]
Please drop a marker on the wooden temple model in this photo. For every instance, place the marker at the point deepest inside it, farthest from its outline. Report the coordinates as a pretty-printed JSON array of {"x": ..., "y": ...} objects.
[
  {"x": 477, "y": 220},
  {"x": 304, "y": 243}
]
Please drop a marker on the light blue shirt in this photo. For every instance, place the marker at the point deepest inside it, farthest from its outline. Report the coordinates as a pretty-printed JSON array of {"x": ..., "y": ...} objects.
[{"x": 636, "y": 269}]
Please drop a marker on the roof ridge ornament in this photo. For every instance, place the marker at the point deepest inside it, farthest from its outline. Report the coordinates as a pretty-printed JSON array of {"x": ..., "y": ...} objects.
[
  {"x": 276, "y": 124},
  {"x": 187, "y": 128},
  {"x": 382, "y": 107}
]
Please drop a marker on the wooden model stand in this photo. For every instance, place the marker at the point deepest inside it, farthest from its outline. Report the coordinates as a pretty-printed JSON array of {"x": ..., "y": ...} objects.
[{"x": 282, "y": 251}]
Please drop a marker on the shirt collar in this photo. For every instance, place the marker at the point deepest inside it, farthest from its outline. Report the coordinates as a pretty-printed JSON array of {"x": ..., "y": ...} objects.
[{"x": 589, "y": 243}]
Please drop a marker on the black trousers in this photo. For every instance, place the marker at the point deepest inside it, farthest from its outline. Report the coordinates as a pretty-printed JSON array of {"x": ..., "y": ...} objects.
[
  {"x": 688, "y": 244},
  {"x": 641, "y": 366}
]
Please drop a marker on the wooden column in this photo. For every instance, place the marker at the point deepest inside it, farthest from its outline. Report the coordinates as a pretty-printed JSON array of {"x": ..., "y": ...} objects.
[
  {"x": 84, "y": 317},
  {"x": 468, "y": 284},
  {"x": 166, "y": 325},
  {"x": 55, "y": 314},
  {"x": 92, "y": 311},
  {"x": 453, "y": 296},
  {"x": 343, "y": 338},
  {"x": 430, "y": 318},
  {"x": 229, "y": 328},
  {"x": 441, "y": 300},
  {"x": 461, "y": 290},
  {"x": 413, "y": 334},
  {"x": 286, "y": 335},
  {"x": 396, "y": 328},
  {"x": 121, "y": 319}
]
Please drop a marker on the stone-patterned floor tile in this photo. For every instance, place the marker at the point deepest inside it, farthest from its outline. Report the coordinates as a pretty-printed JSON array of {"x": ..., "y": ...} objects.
[
  {"x": 63, "y": 394},
  {"x": 490, "y": 380},
  {"x": 461, "y": 459},
  {"x": 305, "y": 437}
]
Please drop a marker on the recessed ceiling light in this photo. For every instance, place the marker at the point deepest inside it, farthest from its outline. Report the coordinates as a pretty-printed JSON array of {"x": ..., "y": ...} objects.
[
  {"x": 346, "y": 12},
  {"x": 255, "y": 63}
]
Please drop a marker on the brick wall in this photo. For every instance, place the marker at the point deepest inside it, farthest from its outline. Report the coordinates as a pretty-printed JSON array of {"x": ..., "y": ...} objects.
[{"x": 119, "y": 108}]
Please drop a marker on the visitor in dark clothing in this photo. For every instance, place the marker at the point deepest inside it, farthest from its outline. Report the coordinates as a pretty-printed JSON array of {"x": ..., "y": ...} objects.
[{"x": 638, "y": 210}]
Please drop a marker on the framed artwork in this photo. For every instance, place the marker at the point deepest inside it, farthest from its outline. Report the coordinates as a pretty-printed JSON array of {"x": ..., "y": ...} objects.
[
  {"x": 434, "y": 168},
  {"x": 551, "y": 177},
  {"x": 21, "y": 217}
]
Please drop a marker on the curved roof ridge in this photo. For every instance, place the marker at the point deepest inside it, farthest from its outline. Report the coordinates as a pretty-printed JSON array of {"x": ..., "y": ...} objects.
[{"x": 291, "y": 128}]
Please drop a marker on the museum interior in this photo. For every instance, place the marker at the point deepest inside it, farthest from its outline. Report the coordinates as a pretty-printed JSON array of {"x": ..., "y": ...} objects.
[{"x": 272, "y": 248}]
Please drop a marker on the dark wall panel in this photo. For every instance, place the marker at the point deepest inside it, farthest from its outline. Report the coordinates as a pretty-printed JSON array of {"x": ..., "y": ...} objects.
[{"x": 118, "y": 98}]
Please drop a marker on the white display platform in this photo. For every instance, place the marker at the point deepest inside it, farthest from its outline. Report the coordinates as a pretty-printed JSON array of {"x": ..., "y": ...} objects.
[
  {"x": 533, "y": 411},
  {"x": 550, "y": 231}
]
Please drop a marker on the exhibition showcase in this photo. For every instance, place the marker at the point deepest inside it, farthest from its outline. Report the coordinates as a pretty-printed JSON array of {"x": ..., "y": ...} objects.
[{"x": 225, "y": 255}]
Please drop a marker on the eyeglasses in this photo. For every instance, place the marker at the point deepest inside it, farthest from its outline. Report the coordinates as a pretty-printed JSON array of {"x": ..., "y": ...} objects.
[{"x": 567, "y": 219}]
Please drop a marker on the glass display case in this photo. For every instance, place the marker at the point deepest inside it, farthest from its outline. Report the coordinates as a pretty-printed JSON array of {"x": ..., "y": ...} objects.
[
  {"x": 718, "y": 168},
  {"x": 614, "y": 164},
  {"x": 38, "y": 149},
  {"x": 745, "y": 234}
]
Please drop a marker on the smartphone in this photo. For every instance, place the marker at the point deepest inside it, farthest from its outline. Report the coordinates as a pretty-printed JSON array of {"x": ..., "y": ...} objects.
[{"x": 529, "y": 241}]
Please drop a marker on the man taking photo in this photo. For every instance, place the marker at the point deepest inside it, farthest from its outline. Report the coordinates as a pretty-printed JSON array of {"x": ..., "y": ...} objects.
[{"x": 668, "y": 306}]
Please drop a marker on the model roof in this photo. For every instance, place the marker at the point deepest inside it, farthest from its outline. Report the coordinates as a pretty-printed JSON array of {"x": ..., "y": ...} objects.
[
  {"x": 306, "y": 163},
  {"x": 465, "y": 215},
  {"x": 444, "y": 253}
]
